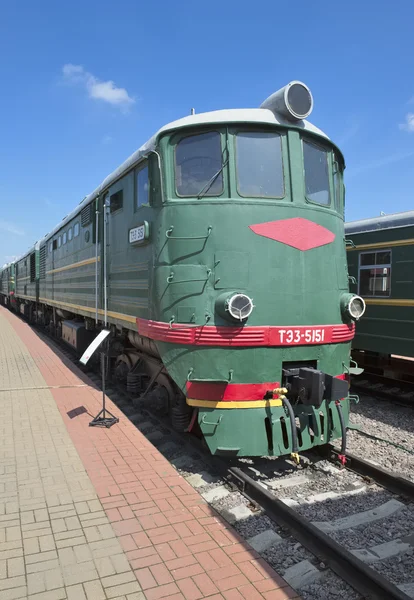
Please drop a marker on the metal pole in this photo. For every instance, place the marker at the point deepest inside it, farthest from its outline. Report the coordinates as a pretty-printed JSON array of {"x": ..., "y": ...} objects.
[
  {"x": 103, "y": 383},
  {"x": 105, "y": 281},
  {"x": 96, "y": 262}
]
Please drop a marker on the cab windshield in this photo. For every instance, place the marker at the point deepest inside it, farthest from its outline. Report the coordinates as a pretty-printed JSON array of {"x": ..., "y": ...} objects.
[
  {"x": 259, "y": 165},
  {"x": 198, "y": 165},
  {"x": 315, "y": 162}
]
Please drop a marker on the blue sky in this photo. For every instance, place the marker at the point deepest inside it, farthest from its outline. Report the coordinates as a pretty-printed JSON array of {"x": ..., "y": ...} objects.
[{"x": 134, "y": 66}]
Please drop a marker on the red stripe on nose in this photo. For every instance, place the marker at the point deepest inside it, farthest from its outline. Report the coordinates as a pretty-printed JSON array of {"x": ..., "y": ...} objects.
[{"x": 229, "y": 391}]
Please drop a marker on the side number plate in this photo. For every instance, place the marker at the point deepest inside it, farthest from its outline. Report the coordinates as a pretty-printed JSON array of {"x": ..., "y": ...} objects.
[{"x": 137, "y": 234}]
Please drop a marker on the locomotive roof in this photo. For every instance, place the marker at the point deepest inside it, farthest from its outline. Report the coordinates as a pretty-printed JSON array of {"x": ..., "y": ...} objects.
[
  {"x": 402, "y": 219},
  {"x": 262, "y": 116}
]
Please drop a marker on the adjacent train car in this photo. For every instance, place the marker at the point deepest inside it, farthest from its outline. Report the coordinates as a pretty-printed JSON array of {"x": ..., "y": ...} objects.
[
  {"x": 215, "y": 254},
  {"x": 26, "y": 282},
  {"x": 380, "y": 255},
  {"x": 7, "y": 284}
]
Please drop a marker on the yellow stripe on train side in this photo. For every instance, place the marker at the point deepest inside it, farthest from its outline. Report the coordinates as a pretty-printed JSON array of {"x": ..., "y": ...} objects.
[
  {"x": 114, "y": 315},
  {"x": 383, "y": 245},
  {"x": 25, "y": 297},
  {"x": 245, "y": 404},
  {"x": 81, "y": 263},
  {"x": 389, "y": 301}
]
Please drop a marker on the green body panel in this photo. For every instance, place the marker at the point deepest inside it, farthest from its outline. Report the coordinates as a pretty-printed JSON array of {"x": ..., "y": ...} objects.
[
  {"x": 129, "y": 265},
  {"x": 26, "y": 276},
  {"x": 243, "y": 431},
  {"x": 386, "y": 328},
  {"x": 288, "y": 286},
  {"x": 75, "y": 286}
]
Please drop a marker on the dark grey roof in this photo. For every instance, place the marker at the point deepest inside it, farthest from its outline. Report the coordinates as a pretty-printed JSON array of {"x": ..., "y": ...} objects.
[{"x": 402, "y": 219}]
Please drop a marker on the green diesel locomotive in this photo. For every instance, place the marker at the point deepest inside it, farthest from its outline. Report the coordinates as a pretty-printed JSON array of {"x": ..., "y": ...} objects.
[{"x": 216, "y": 256}]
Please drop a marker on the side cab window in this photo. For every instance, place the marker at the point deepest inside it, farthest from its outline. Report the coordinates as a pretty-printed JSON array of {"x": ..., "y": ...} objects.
[{"x": 142, "y": 186}]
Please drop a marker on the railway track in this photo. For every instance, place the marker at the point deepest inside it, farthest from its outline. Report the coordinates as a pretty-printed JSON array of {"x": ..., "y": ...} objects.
[
  {"x": 278, "y": 507},
  {"x": 353, "y": 567},
  {"x": 385, "y": 387}
]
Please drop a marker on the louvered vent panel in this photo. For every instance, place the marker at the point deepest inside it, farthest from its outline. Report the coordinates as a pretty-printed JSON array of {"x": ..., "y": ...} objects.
[
  {"x": 32, "y": 267},
  {"x": 86, "y": 215},
  {"x": 42, "y": 262}
]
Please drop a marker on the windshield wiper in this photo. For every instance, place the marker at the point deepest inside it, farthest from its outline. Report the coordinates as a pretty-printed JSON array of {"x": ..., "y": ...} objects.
[{"x": 210, "y": 182}]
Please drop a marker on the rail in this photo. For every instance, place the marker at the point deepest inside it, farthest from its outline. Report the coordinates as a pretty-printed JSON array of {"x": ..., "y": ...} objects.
[
  {"x": 365, "y": 580},
  {"x": 393, "y": 483}
]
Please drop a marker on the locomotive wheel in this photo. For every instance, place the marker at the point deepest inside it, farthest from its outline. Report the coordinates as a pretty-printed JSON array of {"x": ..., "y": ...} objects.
[
  {"x": 180, "y": 413},
  {"x": 122, "y": 367}
]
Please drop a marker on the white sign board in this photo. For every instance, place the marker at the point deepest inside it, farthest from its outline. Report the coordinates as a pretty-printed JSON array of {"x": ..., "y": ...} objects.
[
  {"x": 137, "y": 234},
  {"x": 94, "y": 345}
]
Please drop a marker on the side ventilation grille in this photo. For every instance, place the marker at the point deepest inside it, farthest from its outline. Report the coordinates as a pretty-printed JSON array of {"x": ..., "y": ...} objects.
[
  {"x": 86, "y": 215},
  {"x": 42, "y": 262},
  {"x": 32, "y": 267}
]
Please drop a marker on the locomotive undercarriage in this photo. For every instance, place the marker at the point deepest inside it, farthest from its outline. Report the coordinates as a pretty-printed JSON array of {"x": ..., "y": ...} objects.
[{"x": 132, "y": 361}]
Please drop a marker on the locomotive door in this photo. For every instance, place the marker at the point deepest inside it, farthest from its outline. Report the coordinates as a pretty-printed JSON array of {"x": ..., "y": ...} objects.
[{"x": 114, "y": 251}]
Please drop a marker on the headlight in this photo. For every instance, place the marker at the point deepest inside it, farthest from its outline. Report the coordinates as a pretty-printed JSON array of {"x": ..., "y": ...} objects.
[
  {"x": 352, "y": 306},
  {"x": 237, "y": 307}
]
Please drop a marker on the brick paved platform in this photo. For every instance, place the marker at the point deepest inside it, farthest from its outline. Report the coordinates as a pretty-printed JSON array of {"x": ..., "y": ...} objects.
[{"x": 89, "y": 513}]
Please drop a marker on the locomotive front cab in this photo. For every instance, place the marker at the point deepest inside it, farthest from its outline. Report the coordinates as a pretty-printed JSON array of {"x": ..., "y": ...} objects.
[{"x": 251, "y": 299}]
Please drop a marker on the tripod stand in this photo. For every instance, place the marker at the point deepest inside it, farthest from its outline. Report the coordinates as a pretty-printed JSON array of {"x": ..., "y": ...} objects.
[{"x": 104, "y": 418}]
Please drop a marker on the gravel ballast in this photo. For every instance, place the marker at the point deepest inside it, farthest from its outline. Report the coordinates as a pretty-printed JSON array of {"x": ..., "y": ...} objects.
[{"x": 388, "y": 421}]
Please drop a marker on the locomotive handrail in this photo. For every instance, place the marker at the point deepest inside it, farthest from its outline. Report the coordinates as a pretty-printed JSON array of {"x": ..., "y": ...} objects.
[
  {"x": 349, "y": 243},
  {"x": 203, "y": 420},
  {"x": 202, "y": 237},
  {"x": 187, "y": 326},
  {"x": 170, "y": 278},
  {"x": 196, "y": 380}
]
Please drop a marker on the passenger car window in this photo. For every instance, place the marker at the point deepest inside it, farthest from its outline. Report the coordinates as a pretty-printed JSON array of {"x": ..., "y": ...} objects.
[
  {"x": 259, "y": 165},
  {"x": 76, "y": 230},
  {"x": 142, "y": 187},
  {"x": 315, "y": 161},
  {"x": 198, "y": 160},
  {"x": 64, "y": 239},
  {"x": 375, "y": 273},
  {"x": 59, "y": 241},
  {"x": 70, "y": 234}
]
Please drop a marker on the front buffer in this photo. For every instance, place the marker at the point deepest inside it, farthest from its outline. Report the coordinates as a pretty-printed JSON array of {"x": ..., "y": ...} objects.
[
  {"x": 267, "y": 431},
  {"x": 275, "y": 425}
]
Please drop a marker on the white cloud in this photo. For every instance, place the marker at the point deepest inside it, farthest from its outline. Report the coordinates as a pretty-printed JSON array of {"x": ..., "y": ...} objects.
[
  {"x": 73, "y": 71},
  {"x": 10, "y": 228},
  {"x": 97, "y": 89},
  {"x": 409, "y": 123}
]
